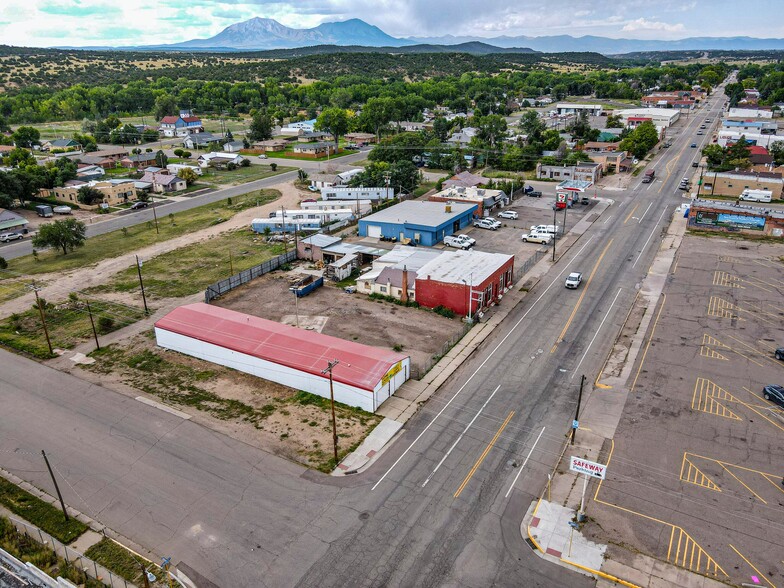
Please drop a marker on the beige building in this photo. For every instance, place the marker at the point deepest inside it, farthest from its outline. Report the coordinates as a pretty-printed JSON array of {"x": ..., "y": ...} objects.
[
  {"x": 733, "y": 183},
  {"x": 115, "y": 192}
]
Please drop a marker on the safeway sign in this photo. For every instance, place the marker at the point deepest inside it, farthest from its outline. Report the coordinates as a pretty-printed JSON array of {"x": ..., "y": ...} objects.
[{"x": 590, "y": 468}]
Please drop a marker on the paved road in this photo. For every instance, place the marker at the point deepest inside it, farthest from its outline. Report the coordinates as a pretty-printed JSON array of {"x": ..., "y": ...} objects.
[
  {"x": 20, "y": 248},
  {"x": 439, "y": 508}
]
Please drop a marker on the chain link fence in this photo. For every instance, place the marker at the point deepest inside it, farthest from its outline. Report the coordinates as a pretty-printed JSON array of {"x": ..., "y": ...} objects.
[
  {"x": 78, "y": 560},
  {"x": 224, "y": 286},
  {"x": 419, "y": 371},
  {"x": 521, "y": 270}
]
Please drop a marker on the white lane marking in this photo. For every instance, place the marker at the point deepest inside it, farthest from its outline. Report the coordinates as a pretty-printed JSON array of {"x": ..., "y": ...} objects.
[
  {"x": 607, "y": 221},
  {"x": 597, "y": 333},
  {"x": 522, "y": 467},
  {"x": 649, "y": 237},
  {"x": 481, "y": 365},
  {"x": 644, "y": 213},
  {"x": 468, "y": 426}
]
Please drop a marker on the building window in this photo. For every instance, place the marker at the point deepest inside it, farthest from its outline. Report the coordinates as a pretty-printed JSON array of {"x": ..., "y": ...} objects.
[
  {"x": 382, "y": 289},
  {"x": 708, "y": 186}
]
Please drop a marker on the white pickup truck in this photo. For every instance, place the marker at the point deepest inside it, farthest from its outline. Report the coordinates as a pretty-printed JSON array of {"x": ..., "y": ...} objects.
[{"x": 458, "y": 241}]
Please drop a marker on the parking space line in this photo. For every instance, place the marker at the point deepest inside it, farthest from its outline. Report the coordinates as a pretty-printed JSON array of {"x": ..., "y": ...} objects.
[
  {"x": 707, "y": 396},
  {"x": 631, "y": 213},
  {"x": 582, "y": 295},
  {"x": 751, "y": 407},
  {"x": 694, "y": 475},
  {"x": 741, "y": 482},
  {"x": 484, "y": 455},
  {"x": 756, "y": 351},
  {"x": 705, "y": 564},
  {"x": 721, "y": 308},
  {"x": 727, "y": 279},
  {"x": 753, "y": 567},
  {"x": 653, "y": 331},
  {"x": 774, "y": 479},
  {"x": 706, "y": 348}
]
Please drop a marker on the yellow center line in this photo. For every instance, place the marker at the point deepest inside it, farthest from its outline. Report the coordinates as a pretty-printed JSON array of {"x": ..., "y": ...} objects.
[
  {"x": 484, "y": 455},
  {"x": 580, "y": 299},
  {"x": 761, "y": 575},
  {"x": 631, "y": 213}
]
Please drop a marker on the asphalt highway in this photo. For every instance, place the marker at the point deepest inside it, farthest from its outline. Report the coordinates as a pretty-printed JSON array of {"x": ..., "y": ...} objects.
[{"x": 441, "y": 507}]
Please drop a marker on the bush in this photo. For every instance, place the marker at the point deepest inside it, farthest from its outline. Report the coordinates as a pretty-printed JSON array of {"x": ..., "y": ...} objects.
[
  {"x": 105, "y": 324},
  {"x": 186, "y": 154},
  {"x": 444, "y": 311},
  {"x": 178, "y": 152},
  {"x": 3, "y": 263},
  {"x": 231, "y": 166},
  {"x": 273, "y": 166},
  {"x": 245, "y": 163}
]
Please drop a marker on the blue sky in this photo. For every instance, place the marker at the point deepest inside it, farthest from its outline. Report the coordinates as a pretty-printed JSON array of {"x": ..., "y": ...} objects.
[{"x": 45, "y": 23}]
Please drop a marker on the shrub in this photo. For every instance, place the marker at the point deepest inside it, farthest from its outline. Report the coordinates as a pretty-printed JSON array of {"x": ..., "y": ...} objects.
[
  {"x": 245, "y": 163},
  {"x": 444, "y": 311},
  {"x": 3, "y": 263},
  {"x": 273, "y": 166},
  {"x": 105, "y": 324}
]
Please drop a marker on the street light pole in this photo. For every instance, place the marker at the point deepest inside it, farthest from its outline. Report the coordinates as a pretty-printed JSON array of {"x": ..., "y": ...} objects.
[
  {"x": 43, "y": 317},
  {"x": 555, "y": 233},
  {"x": 328, "y": 369}
]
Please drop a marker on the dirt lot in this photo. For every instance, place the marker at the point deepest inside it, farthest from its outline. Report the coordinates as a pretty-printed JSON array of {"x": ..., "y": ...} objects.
[
  {"x": 292, "y": 424},
  {"x": 420, "y": 333}
]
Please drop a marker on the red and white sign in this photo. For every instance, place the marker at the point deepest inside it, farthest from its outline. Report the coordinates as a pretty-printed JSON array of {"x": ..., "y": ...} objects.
[{"x": 590, "y": 468}]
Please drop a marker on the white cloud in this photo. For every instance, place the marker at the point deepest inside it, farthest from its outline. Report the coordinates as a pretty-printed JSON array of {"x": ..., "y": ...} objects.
[{"x": 643, "y": 24}]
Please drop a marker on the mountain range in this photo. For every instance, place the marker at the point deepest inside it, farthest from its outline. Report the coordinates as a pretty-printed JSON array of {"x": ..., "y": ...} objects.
[{"x": 261, "y": 34}]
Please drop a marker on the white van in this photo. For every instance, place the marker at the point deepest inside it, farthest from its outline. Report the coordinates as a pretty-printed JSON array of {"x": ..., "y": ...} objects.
[
  {"x": 756, "y": 195},
  {"x": 547, "y": 229}
]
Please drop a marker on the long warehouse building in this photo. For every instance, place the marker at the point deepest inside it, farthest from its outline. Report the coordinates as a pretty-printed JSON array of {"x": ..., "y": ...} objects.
[{"x": 364, "y": 377}]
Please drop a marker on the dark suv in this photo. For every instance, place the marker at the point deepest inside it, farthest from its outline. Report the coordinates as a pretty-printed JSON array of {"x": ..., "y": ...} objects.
[
  {"x": 779, "y": 353},
  {"x": 774, "y": 393}
]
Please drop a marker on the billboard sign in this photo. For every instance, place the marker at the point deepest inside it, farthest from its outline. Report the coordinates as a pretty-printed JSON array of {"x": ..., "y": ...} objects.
[
  {"x": 727, "y": 220},
  {"x": 589, "y": 468}
]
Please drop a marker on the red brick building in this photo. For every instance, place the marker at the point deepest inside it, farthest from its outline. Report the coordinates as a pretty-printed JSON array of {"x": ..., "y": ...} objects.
[{"x": 456, "y": 277}]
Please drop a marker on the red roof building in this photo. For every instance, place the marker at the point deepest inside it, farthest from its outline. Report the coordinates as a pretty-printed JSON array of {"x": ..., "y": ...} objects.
[{"x": 365, "y": 376}]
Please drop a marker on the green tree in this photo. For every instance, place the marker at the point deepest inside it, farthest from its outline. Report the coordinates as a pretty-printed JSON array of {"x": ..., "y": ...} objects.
[
  {"x": 86, "y": 141},
  {"x": 776, "y": 149},
  {"x": 19, "y": 157},
  {"x": 149, "y": 136},
  {"x": 88, "y": 195},
  {"x": 260, "y": 126},
  {"x": 161, "y": 159},
  {"x": 26, "y": 137},
  {"x": 532, "y": 126},
  {"x": 641, "y": 140},
  {"x": 188, "y": 175},
  {"x": 165, "y": 105},
  {"x": 333, "y": 121},
  {"x": 714, "y": 155},
  {"x": 61, "y": 234},
  {"x": 441, "y": 128},
  {"x": 614, "y": 121},
  {"x": 492, "y": 128}
]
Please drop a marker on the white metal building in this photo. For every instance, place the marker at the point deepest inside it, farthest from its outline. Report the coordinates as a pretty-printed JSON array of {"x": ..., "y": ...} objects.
[
  {"x": 660, "y": 117},
  {"x": 342, "y": 193},
  {"x": 572, "y": 108},
  {"x": 364, "y": 377}
]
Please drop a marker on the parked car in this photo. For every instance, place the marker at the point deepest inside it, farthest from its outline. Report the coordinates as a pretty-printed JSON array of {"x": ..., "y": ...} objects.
[
  {"x": 774, "y": 393},
  {"x": 495, "y": 221},
  {"x": 549, "y": 229},
  {"x": 456, "y": 241},
  {"x": 528, "y": 189},
  {"x": 468, "y": 239},
  {"x": 263, "y": 156},
  {"x": 537, "y": 238},
  {"x": 695, "y": 164},
  {"x": 313, "y": 188},
  {"x": 574, "y": 280},
  {"x": 138, "y": 205},
  {"x": 585, "y": 200},
  {"x": 510, "y": 214},
  {"x": 779, "y": 353},
  {"x": 7, "y": 237},
  {"x": 534, "y": 194},
  {"x": 484, "y": 223}
]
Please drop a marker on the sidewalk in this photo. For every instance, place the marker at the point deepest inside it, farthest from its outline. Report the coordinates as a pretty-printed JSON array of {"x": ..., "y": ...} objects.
[
  {"x": 547, "y": 525},
  {"x": 414, "y": 393}
]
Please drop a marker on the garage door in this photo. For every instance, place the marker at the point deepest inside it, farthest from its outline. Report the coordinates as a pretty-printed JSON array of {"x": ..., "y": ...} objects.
[{"x": 374, "y": 231}]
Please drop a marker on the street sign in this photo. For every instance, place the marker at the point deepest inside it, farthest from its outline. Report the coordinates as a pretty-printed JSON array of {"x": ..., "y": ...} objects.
[
  {"x": 575, "y": 424},
  {"x": 589, "y": 468}
]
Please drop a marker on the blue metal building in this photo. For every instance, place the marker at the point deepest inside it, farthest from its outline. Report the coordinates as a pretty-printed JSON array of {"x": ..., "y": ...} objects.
[{"x": 424, "y": 223}]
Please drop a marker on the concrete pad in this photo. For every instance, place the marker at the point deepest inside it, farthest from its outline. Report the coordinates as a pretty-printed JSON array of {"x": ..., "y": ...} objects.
[
  {"x": 309, "y": 323},
  {"x": 82, "y": 359},
  {"x": 85, "y": 541}
]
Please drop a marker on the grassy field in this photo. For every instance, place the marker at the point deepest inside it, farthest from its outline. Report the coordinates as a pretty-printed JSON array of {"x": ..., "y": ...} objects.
[
  {"x": 39, "y": 513},
  {"x": 241, "y": 175},
  {"x": 118, "y": 560},
  {"x": 68, "y": 324},
  {"x": 190, "y": 269},
  {"x": 124, "y": 240},
  {"x": 25, "y": 549}
]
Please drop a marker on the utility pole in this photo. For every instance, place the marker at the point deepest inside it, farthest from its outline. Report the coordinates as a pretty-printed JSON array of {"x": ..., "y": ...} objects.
[
  {"x": 577, "y": 412},
  {"x": 92, "y": 322},
  {"x": 555, "y": 233},
  {"x": 330, "y": 366},
  {"x": 141, "y": 284},
  {"x": 56, "y": 487},
  {"x": 43, "y": 316},
  {"x": 283, "y": 230},
  {"x": 387, "y": 177},
  {"x": 154, "y": 214}
]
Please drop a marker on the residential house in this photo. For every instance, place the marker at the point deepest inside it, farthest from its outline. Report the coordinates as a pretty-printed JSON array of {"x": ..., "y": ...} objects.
[
  {"x": 271, "y": 145},
  {"x": 360, "y": 138},
  {"x": 464, "y": 180},
  {"x": 412, "y": 127},
  {"x": 758, "y": 155},
  {"x": 180, "y": 126},
  {"x": 309, "y": 136},
  {"x": 310, "y": 247},
  {"x": 323, "y": 180},
  {"x": 104, "y": 158},
  {"x": 164, "y": 182},
  {"x": 462, "y": 138},
  {"x": 139, "y": 160},
  {"x": 315, "y": 150},
  {"x": 200, "y": 140},
  {"x": 219, "y": 159},
  {"x": 87, "y": 172},
  {"x": 61, "y": 144},
  {"x": 233, "y": 146}
]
